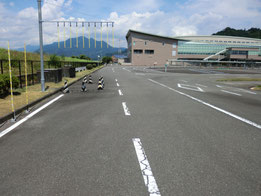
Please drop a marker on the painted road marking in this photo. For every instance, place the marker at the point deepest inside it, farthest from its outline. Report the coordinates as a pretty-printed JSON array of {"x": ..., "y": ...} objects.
[
  {"x": 183, "y": 80},
  {"x": 244, "y": 90},
  {"x": 219, "y": 86},
  {"x": 28, "y": 116},
  {"x": 116, "y": 80},
  {"x": 212, "y": 106},
  {"x": 190, "y": 87},
  {"x": 140, "y": 74},
  {"x": 201, "y": 85},
  {"x": 117, "y": 84},
  {"x": 230, "y": 92},
  {"x": 113, "y": 69},
  {"x": 126, "y": 69},
  {"x": 145, "y": 168},
  {"x": 126, "y": 109},
  {"x": 120, "y": 93}
]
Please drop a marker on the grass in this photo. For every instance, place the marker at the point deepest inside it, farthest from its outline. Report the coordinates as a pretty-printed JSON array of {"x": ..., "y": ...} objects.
[
  {"x": 78, "y": 60},
  {"x": 238, "y": 79},
  {"x": 34, "y": 92},
  {"x": 258, "y": 87}
]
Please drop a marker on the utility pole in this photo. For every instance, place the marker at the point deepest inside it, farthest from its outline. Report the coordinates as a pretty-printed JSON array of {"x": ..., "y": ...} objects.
[{"x": 41, "y": 43}]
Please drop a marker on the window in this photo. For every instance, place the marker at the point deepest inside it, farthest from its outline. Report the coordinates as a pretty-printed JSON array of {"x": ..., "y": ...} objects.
[
  {"x": 174, "y": 45},
  {"x": 149, "y": 51},
  {"x": 138, "y": 51},
  {"x": 174, "y": 53}
]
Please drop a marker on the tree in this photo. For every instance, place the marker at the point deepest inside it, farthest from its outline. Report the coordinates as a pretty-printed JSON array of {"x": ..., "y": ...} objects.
[
  {"x": 106, "y": 59},
  {"x": 54, "y": 61},
  {"x": 82, "y": 56}
]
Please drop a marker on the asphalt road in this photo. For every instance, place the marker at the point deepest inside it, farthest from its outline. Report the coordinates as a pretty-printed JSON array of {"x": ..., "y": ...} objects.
[{"x": 147, "y": 133}]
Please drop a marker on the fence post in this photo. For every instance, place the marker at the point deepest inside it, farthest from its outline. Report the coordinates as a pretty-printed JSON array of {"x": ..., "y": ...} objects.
[
  {"x": 20, "y": 74},
  {"x": 2, "y": 70},
  {"x": 32, "y": 68}
]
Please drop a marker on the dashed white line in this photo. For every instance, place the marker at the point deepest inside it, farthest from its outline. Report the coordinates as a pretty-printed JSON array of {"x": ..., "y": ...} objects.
[
  {"x": 201, "y": 85},
  {"x": 28, "y": 116},
  {"x": 219, "y": 86},
  {"x": 145, "y": 168},
  {"x": 117, "y": 84},
  {"x": 116, "y": 80},
  {"x": 120, "y": 93},
  {"x": 126, "y": 69},
  {"x": 212, "y": 106},
  {"x": 126, "y": 109},
  {"x": 231, "y": 93},
  {"x": 243, "y": 90}
]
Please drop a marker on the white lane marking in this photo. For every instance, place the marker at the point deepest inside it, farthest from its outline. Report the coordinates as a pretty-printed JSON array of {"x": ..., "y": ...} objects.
[
  {"x": 113, "y": 70},
  {"x": 219, "y": 86},
  {"x": 126, "y": 69},
  {"x": 28, "y": 116},
  {"x": 231, "y": 93},
  {"x": 126, "y": 109},
  {"x": 244, "y": 90},
  {"x": 120, "y": 93},
  {"x": 201, "y": 85},
  {"x": 183, "y": 80},
  {"x": 117, "y": 84},
  {"x": 116, "y": 80},
  {"x": 212, "y": 106},
  {"x": 145, "y": 168},
  {"x": 190, "y": 87}
]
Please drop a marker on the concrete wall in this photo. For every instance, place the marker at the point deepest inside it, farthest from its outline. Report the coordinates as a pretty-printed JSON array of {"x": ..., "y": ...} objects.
[{"x": 162, "y": 52}]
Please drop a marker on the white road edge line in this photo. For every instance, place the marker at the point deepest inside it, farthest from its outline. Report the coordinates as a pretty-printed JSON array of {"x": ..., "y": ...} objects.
[
  {"x": 117, "y": 84},
  {"x": 28, "y": 116},
  {"x": 126, "y": 109},
  {"x": 120, "y": 93},
  {"x": 231, "y": 93},
  {"x": 201, "y": 85},
  {"x": 212, "y": 106},
  {"x": 145, "y": 168}
]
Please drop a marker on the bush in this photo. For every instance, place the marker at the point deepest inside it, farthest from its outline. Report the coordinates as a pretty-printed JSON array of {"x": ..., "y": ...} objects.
[
  {"x": 94, "y": 65},
  {"x": 54, "y": 61},
  {"x": 5, "y": 83},
  {"x": 89, "y": 66}
]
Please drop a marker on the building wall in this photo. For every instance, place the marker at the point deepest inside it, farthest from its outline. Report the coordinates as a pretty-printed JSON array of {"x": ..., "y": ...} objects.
[{"x": 162, "y": 52}]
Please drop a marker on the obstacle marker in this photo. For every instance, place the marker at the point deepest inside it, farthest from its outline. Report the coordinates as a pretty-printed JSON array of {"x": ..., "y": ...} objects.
[
  {"x": 90, "y": 79},
  {"x": 65, "y": 87}
]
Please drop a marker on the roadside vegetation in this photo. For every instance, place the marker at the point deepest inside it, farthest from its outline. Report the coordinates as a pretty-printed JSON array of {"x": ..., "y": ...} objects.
[{"x": 239, "y": 79}]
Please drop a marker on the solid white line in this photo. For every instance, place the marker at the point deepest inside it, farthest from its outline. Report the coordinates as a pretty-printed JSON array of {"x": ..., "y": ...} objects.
[
  {"x": 28, "y": 116},
  {"x": 243, "y": 90},
  {"x": 126, "y": 69},
  {"x": 219, "y": 86},
  {"x": 212, "y": 106},
  {"x": 120, "y": 93},
  {"x": 126, "y": 109},
  {"x": 117, "y": 84},
  {"x": 201, "y": 85},
  {"x": 145, "y": 168},
  {"x": 230, "y": 92},
  {"x": 116, "y": 80},
  {"x": 185, "y": 86}
]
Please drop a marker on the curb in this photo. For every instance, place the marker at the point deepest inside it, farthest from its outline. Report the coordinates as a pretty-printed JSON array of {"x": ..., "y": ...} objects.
[{"x": 21, "y": 109}]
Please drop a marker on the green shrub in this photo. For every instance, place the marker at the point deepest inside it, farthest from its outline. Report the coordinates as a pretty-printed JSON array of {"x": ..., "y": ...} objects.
[
  {"x": 94, "y": 65},
  {"x": 5, "y": 83},
  {"x": 89, "y": 66},
  {"x": 54, "y": 61}
]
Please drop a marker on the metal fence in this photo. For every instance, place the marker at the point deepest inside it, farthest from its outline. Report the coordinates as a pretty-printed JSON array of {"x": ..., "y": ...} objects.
[{"x": 18, "y": 69}]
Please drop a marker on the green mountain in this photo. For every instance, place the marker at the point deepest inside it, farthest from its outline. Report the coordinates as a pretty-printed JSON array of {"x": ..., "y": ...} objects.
[
  {"x": 252, "y": 33},
  {"x": 91, "y": 52}
]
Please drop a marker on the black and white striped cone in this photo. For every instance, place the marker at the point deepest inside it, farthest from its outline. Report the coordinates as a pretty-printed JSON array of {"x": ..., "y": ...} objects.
[
  {"x": 90, "y": 79},
  {"x": 100, "y": 86},
  {"x": 102, "y": 80},
  {"x": 85, "y": 79},
  {"x": 65, "y": 87}
]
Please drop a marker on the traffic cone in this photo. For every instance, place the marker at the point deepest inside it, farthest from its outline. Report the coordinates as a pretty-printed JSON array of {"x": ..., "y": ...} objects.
[
  {"x": 84, "y": 89},
  {"x": 65, "y": 87},
  {"x": 100, "y": 86},
  {"x": 90, "y": 79}
]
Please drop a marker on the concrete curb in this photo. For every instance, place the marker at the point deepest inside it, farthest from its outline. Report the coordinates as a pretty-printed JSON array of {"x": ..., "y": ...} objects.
[{"x": 20, "y": 110}]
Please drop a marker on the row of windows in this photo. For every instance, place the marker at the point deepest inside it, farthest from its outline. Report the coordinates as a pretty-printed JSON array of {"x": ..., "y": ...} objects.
[
  {"x": 139, "y": 51},
  {"x": 174, "y": 45},
  {"x": 216, "y": 41}
]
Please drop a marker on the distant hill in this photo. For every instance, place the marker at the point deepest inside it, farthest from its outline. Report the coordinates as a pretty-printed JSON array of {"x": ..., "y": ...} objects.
[
  {"x": 29, "y": 48},
  {"x": 91, "y": 52},
  {"x": 252, "y": 33}
]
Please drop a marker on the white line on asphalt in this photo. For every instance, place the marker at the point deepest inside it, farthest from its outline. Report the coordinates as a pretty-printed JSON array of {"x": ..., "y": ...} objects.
[
  {"x": 212, "y": 106},
  {"x": 126, "y": 69},
  {"x": 145, "y": 168},
  {"x": 140, "y": 74},
  {"x": 183, "y": 80},
  {"x": 219, "y": 86},
  {"x": 190, "y": 87},
  {"x": 126, "y": 109},
  {"x": 28, "y": 116},
  {"x": 231, "y": 93},
  {"x": 117, "y": 84},
  {"x": 201, "y": 85},
  {"x": 120, "y": 93},
  {"x": 116, "y": 80},
  {"x": 243, "y": 90}
]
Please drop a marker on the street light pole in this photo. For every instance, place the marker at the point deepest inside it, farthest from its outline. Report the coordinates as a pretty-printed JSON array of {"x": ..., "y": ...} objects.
[{"x": 41, "y": 43}]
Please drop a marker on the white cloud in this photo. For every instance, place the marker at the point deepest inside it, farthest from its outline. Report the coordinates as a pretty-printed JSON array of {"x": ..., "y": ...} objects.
[{"x": 11, "y": 4}]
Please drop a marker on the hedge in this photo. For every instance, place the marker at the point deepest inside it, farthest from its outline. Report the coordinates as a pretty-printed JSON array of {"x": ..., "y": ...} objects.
[{"x": 5, "y": 83}]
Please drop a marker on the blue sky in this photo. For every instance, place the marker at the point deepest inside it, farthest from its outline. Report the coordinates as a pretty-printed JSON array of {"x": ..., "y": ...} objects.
[{"x": 18, "y": 18}]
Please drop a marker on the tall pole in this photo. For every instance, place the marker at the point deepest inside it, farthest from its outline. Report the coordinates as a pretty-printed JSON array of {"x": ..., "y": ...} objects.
[{"x": 41, "y": 43}]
